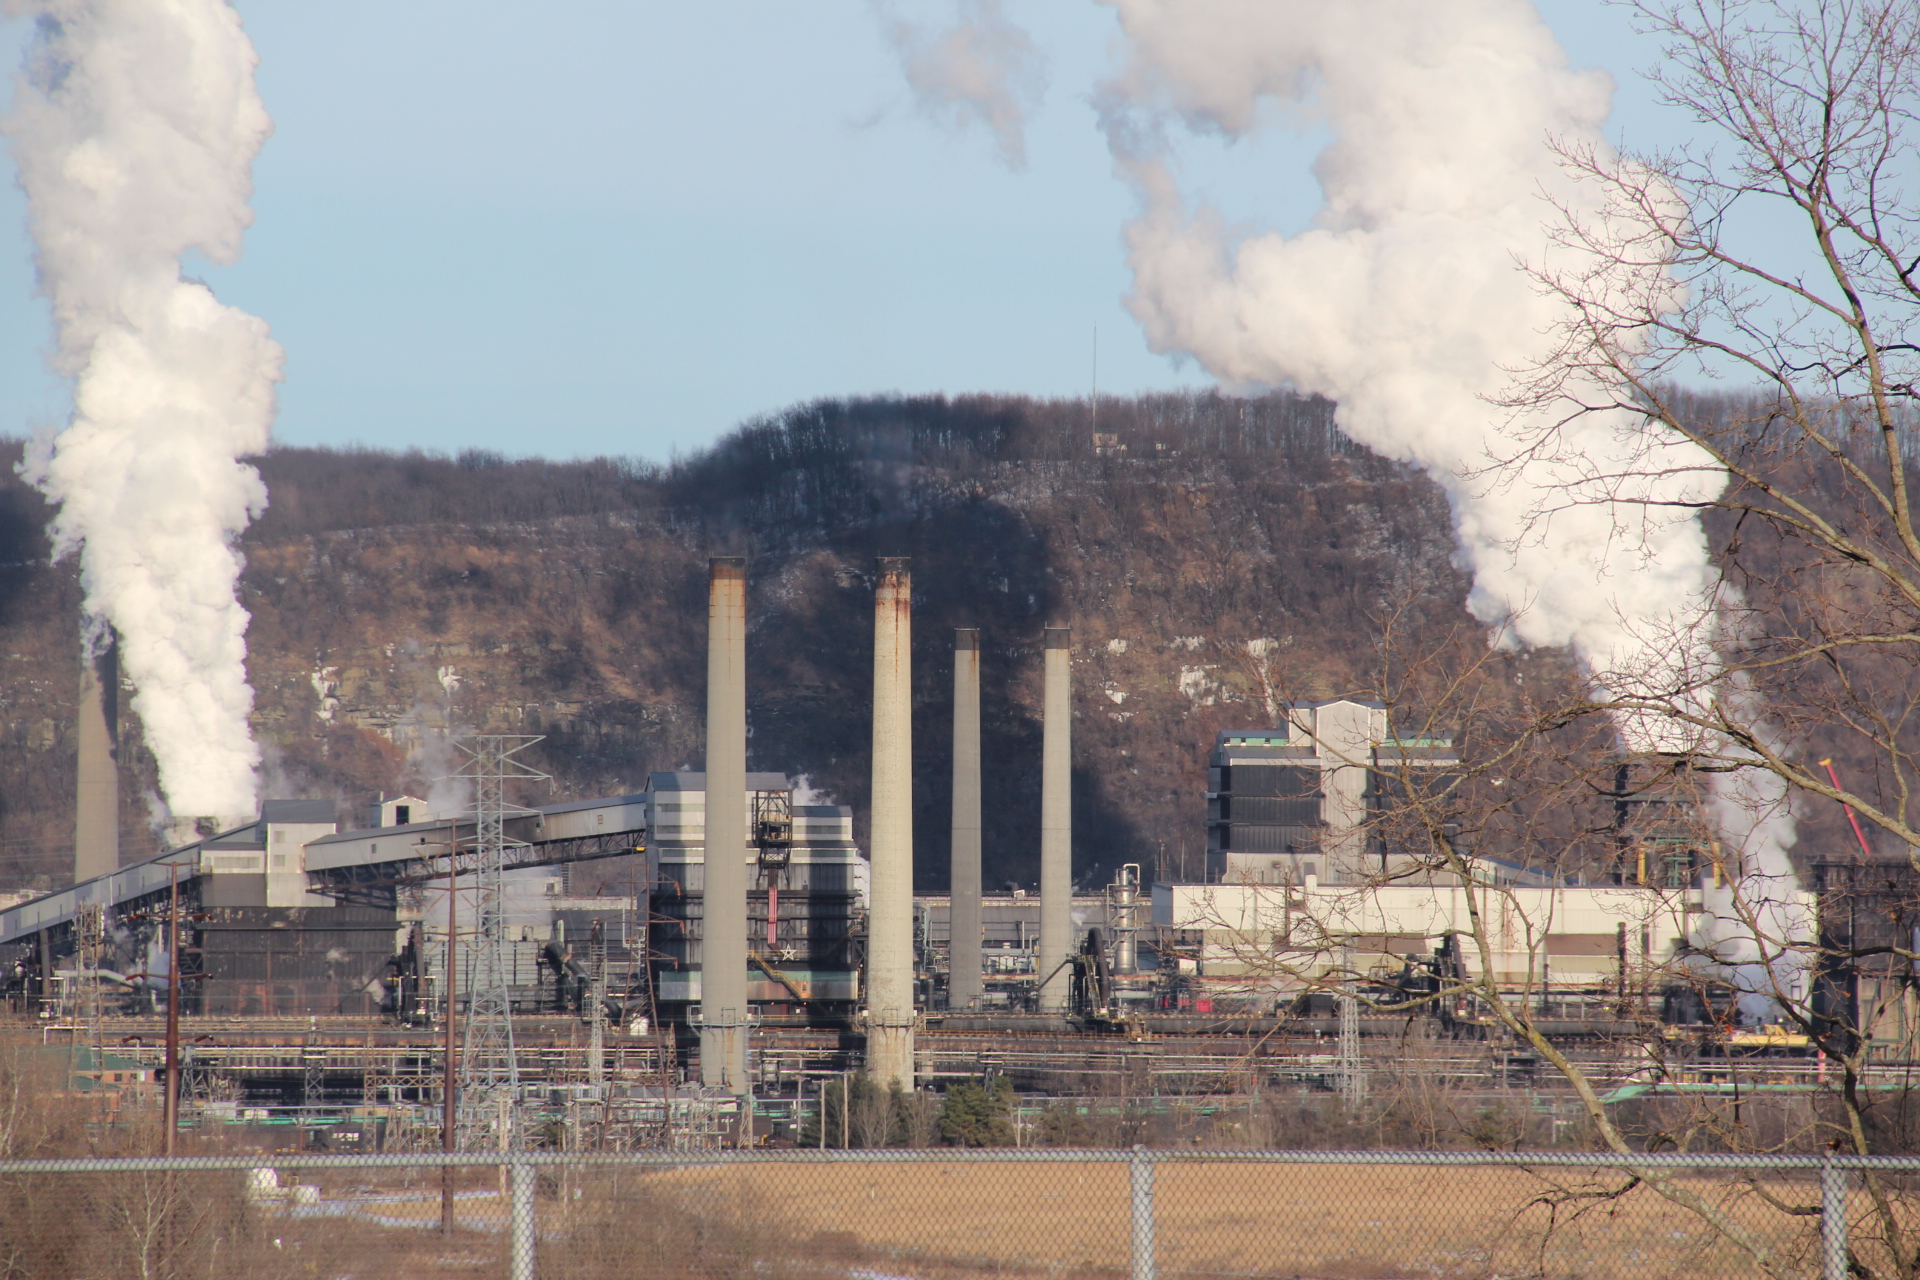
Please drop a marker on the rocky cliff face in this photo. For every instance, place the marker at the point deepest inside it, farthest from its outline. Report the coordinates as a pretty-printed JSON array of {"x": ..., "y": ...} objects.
[{"x": 1213, "y": 556}]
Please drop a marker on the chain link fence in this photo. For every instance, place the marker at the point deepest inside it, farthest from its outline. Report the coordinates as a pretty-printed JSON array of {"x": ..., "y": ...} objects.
[{"x": 944, "y": 1214}]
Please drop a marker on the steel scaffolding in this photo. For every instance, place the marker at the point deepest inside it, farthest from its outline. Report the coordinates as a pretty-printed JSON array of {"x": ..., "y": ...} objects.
[{"x": 489, "y": 1073}]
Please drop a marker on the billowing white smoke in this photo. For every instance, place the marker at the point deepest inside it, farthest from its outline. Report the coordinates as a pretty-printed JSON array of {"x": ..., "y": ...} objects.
[
  {"x": 135, "y": 126},
  {"x": 981, "y": 69},
  {"x": 1756, "y": 925},
  {"x": 1403, "y": 303},
  {"x": 1406, "y": 304}
]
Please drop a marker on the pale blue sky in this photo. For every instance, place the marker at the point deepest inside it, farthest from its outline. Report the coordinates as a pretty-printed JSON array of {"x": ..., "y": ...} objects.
[{"x": 624, "y": 232}]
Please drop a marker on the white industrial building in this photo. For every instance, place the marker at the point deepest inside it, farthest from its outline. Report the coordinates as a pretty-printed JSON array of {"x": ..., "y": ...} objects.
[
  {"x": 1306, "y": 889},
  {"x": 1579, "y": 945}
]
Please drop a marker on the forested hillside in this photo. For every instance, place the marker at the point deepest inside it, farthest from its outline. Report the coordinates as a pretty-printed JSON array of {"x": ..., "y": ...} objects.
[{"x": 1210, "y": 553}]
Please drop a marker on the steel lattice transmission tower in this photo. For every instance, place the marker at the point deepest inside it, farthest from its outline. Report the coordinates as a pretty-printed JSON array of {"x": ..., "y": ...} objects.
[
  {"x": 489, "y": 1074},
  {"x": 1353, "y": 1068}
]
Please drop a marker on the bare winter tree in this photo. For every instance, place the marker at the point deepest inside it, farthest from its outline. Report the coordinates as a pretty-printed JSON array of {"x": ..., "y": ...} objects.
[
  {"x": 1479, "y": 854},
  {"x": 1777, "y": 257},
  {"x": 1793, "y": 232}
]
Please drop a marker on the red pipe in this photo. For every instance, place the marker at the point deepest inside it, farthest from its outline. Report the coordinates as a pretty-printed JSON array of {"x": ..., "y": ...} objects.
[{"x": 1858, "y": 834}]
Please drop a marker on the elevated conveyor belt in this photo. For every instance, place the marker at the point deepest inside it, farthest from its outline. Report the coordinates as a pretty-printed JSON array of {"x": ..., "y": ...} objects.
[{"x": 366, "y": 865}]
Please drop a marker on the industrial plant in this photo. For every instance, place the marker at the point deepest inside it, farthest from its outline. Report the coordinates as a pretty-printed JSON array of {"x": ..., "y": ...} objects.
[{"x": 430, "y": 976}]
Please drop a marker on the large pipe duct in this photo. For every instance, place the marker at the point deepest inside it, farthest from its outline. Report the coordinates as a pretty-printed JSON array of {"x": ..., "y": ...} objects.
[
  {"x": 890, "y": 915},
  {"x": 96, "y": 821},
  {"x": 1056, "y": 824},
  {"x": 964, "y": 984},
  {"x": 723, "y": 939}
]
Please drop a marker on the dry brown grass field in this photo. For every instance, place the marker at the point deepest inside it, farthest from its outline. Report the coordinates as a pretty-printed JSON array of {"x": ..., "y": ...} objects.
[
  {"x": 947, "y": 1219},
  {"x": 929, "y": 1220}
]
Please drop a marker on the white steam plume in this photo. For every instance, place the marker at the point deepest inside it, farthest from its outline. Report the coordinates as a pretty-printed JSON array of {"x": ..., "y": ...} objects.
[
  {"x": 983, "y": 68},
  {"x": 1406, "y": 304},
  {"x": 135, "y": 126}
]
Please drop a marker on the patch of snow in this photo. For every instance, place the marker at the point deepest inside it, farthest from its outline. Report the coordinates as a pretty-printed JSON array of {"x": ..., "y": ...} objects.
[
  {"x": 326, "y": 686},
  {"x": 1199, "y": 687}
]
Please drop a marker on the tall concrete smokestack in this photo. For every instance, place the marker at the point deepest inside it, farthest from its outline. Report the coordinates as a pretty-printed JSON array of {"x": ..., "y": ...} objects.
[
  {"x": 723, "y": 938},
  {"x": 1056, "y": 823},
  {"x": 96, "y": 821},
  {"x": 964, "y": 985},
  {"x": 890, "y": 914}
]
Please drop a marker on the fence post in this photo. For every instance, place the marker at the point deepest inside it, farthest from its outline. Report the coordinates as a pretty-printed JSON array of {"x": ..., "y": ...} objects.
[
  {"x": 521, "y": 1230},
  {"x": 1833, "y": 1222},
  {"x": 1140, "y": 1166}
]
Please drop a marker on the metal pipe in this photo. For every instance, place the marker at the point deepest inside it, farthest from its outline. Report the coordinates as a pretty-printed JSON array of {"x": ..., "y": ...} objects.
[
  {"x": 96, "y": 819},
  {"x": 1140, "y": 1171},
  {"x": 723, "y": 940},
  {"x": 964, "y": 982},
  {"x": 1639, "y": 1163},
  {"x": 45, "y": 951},
  {"x": 1123, "y": 918},
  {"x": 890, "y": 1012},
  {"x": 523, "y": 1231},
  {"x": 1833, "y": 1223},
  {"x": 1056, "y": 824}
]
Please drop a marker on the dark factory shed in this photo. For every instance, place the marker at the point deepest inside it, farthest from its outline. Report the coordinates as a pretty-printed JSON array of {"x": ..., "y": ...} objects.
[{"x": 287, "y": 961}]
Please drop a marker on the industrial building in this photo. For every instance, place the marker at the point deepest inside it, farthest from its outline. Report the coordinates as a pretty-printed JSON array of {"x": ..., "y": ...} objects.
[
  {"x": 806, "y": 898},
  {"x": 1009, "y": 945},
  {"x": 1867, "y": 985},
  {"x": 1313, "y": 886},
  {"x": 689, "y": 981},
  {"x": 1308, "y": 800},
  {"x": 289, "y": 916},
  {"x": 1572, "y": 951}
]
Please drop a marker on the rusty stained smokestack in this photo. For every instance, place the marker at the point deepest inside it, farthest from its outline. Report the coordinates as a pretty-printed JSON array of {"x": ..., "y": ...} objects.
[
  {"x": 890, "y": 1012},
  {"x": 96, "y": 819},
  {"x": 1056, "y": 824},
  {"x": 723, "y": 937},
  {"x": 964, "y": 984}
]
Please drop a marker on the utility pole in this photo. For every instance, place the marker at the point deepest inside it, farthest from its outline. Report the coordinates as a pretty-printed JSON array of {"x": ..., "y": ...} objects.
[
  {"x": 449, "y": 1135},
  {"x": 172, "y": 1108},
  {"x": 597, "y": 1018}
]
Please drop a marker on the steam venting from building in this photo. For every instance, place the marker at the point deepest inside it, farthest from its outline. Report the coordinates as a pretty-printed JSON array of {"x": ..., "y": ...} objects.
[
  {"x": 134, "y": 129},
  {"x": 1405, "y": 303}
]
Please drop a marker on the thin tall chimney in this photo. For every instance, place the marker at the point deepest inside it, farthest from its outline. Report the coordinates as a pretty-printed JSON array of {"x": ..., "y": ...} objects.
[
  {"x": 723, "y": 941},
  {"x": 964, "y": 985},
  {"x": 1056, "y": 824},
  {"x": 890, "y": 914},
  {"x": 96, "y": 822}
]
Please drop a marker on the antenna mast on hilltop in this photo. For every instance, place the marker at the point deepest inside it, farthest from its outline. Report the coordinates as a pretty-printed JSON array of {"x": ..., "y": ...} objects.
[{"x": 489, "y": 1073}]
